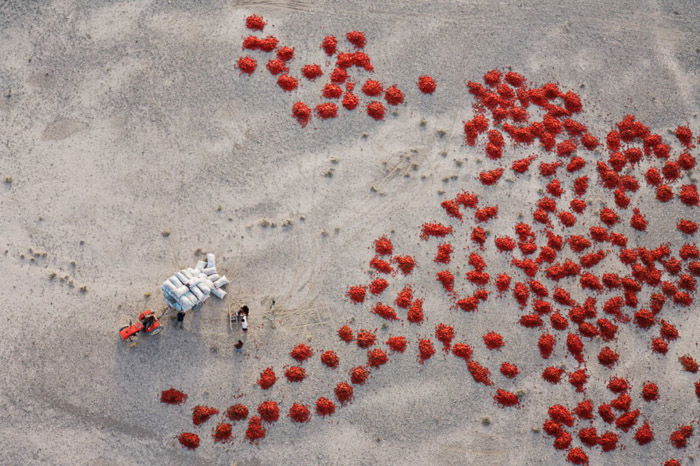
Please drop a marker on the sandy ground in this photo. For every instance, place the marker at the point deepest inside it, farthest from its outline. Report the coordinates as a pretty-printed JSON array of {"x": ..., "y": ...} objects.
[{"x": 125, "y": 121}]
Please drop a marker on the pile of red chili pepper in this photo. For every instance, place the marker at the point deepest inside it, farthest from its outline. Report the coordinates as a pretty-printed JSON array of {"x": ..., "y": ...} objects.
[{"x": 347, "y": 66}]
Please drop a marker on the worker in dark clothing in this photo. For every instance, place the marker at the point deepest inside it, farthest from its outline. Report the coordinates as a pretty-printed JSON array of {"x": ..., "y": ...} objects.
[
  {"x": 180, "y": 319},
  {"x": 238, "y": 346},
  {"x": 148, "y": 321}
]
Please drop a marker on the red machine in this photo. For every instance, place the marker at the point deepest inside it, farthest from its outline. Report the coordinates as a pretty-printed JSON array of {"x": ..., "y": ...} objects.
[{"x": 148, "y": 323}]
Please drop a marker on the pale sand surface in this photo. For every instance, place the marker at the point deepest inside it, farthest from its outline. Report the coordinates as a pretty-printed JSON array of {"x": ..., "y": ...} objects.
[{"x": 122, "y": 120}]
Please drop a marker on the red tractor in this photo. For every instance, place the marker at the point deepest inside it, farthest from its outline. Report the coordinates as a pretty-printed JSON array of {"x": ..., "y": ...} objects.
[{"x": 148, "y": 323}]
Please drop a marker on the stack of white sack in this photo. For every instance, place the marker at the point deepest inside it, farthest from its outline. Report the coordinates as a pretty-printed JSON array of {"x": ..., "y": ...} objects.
[{"x": 190, "y": 288}]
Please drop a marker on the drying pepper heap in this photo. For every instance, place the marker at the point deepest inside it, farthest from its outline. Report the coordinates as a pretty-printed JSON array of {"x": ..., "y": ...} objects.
[
  {"x": 568, "y": 266},
  {"x": 336, "y": 80}
]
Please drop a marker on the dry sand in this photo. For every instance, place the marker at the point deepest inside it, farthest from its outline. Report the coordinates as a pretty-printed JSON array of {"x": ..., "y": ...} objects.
[{"x": 122, "y": 121}]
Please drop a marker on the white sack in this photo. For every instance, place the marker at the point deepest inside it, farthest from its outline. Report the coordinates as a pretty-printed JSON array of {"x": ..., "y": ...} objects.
[{"x": 223, "y": 281}]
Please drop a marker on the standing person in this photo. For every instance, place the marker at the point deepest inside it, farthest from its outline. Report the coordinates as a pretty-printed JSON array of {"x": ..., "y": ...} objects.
[
  {"x": 243, "y": 317},
  {"x": 180, "y": 319},
  {"x": 238, "y": 346}
]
